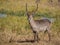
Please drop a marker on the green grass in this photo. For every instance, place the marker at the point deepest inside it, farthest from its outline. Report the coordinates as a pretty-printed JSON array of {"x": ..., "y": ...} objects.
[{"x": 16, "y": 24}]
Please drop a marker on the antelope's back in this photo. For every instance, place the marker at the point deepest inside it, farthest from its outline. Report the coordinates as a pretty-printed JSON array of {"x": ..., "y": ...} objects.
[{"x": 43, "y": 24}]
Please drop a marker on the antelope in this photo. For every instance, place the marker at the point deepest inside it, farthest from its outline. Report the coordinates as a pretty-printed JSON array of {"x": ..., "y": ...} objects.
[{"x": 38, "y": 25}]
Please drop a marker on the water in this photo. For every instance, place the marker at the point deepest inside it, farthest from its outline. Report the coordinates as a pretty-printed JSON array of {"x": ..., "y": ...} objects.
[{"x": 3, "y": 15}]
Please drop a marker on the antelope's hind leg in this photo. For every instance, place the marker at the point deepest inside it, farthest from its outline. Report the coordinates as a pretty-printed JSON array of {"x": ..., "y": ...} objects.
[{"x": 48, "y": 34}]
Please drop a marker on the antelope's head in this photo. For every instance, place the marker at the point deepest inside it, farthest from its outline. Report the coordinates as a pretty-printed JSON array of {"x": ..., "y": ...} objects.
[{"x": 29, "y": 13}]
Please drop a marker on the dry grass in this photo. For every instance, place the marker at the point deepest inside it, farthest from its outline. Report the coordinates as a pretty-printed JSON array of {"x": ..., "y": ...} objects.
[
  {"x": 16, "y": 25},
  {"x": 13, "y": 26}
]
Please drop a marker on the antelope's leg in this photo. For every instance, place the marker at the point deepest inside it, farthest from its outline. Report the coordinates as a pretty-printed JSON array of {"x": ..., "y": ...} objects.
[
  {"x": 36, "y": 38},
  {"x": 48, "y": 34}
]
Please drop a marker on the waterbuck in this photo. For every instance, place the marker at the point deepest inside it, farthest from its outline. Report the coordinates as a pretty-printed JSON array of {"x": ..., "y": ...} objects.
[{"x": 38, "y": 25}]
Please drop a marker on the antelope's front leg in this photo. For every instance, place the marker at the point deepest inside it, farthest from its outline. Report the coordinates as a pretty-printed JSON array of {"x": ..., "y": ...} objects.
[{"x": 36, "y": 38}]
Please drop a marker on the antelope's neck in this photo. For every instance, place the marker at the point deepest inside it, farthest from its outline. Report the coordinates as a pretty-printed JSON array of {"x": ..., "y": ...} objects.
[{"x": 31, "y": 21}]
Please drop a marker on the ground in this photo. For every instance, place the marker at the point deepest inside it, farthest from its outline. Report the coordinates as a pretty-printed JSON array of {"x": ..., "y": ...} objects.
[{"x": 15, "y": 26}]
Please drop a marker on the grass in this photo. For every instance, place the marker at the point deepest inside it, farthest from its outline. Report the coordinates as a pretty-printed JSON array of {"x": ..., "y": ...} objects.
[{"x": 16, "y": 24}]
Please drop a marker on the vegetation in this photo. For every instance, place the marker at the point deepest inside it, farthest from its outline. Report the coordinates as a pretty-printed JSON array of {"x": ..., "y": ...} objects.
[{"x": 16, "y": 23}]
